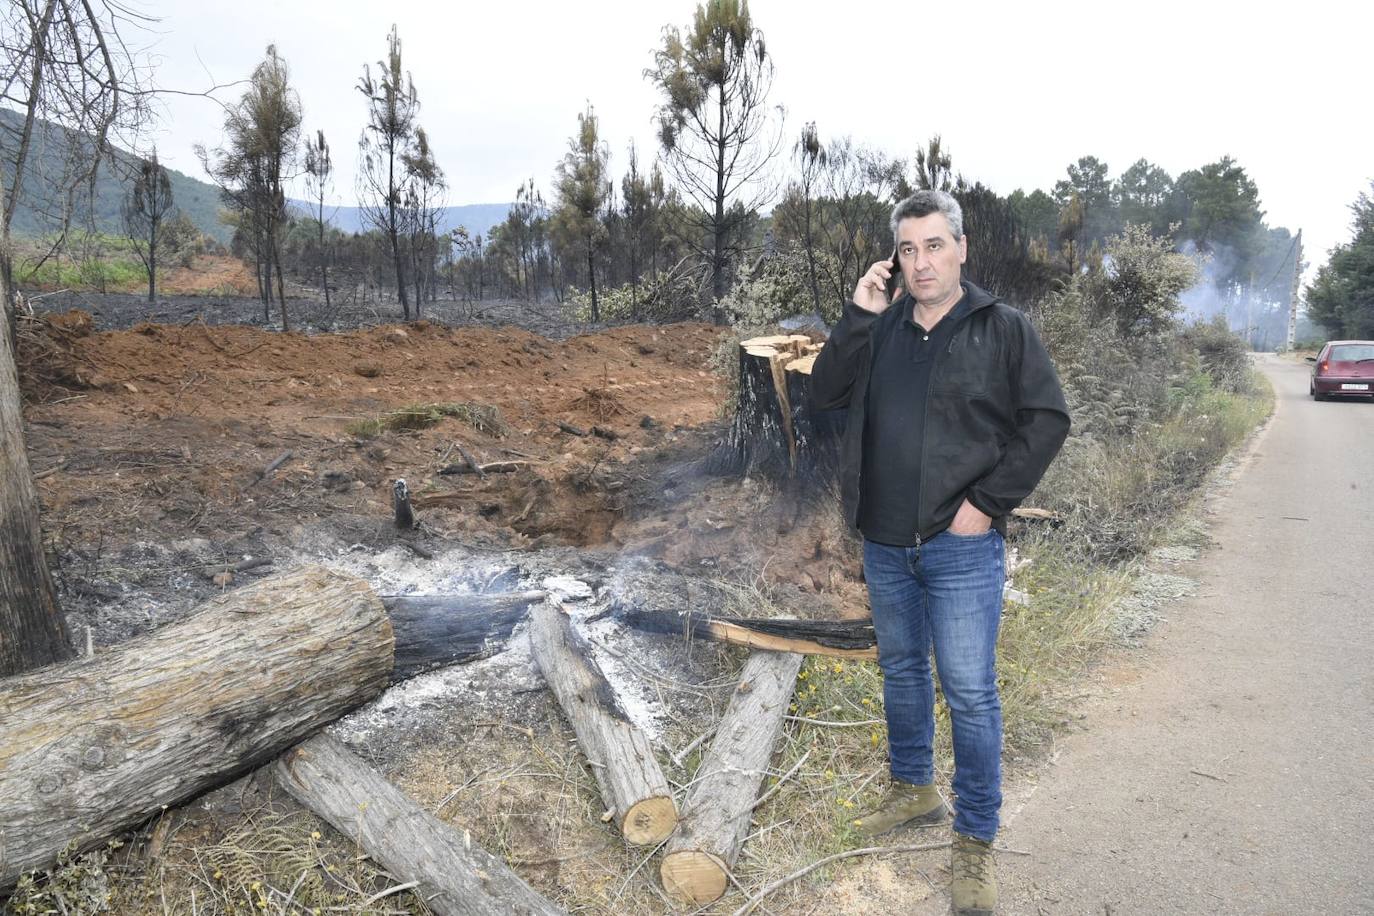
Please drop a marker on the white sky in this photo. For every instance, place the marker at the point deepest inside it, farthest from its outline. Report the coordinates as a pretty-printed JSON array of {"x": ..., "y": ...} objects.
[{"x": 1017, "y": 90}]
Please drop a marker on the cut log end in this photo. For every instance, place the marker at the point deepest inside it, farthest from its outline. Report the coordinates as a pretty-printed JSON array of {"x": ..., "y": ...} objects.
[
  {"x": 650, "y": 821},
  {"x": 693, "y": 876}
]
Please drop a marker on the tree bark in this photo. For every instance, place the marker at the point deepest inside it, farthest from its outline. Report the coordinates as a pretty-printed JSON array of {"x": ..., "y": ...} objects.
[
  {"x": 632, "y": 784},
  {"x": 99, "y": 744},
  {"x": 772, "y": 432},
  {"x": 715, "y": 815},
  {"x": 33, "y": 631},
  {"x": 454, "y": 875}
]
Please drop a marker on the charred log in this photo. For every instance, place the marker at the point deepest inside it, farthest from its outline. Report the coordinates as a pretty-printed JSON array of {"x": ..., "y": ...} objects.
[
  {"x": 433, "y": 631},
  {"x": 96, "y": 745},
  {"x": 840, "y": 638}
]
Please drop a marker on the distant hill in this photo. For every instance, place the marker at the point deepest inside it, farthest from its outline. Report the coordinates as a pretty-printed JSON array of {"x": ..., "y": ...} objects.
[
  {"x": 198, "y": 199},
  {"x": 478, "y": 219}
]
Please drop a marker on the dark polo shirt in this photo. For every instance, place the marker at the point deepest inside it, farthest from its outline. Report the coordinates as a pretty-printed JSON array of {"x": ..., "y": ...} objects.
[{"x": 894, "y": 429}]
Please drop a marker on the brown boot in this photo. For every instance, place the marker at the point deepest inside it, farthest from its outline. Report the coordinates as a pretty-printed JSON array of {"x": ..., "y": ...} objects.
[
  {"x": 904, "y": 805},
  {"x": 973, "y": 877}
]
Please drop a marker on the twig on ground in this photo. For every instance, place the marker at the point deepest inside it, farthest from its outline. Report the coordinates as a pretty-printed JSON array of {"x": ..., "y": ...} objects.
[
  {"x": 472, "y": 462},
  {"x": 276, "y": 463},
  {"x": 773, "y": 790},
  {"x": 1207, "y": 775},
  {"x": 834, "y": 724},
  {"x": 570, "y": 429}
]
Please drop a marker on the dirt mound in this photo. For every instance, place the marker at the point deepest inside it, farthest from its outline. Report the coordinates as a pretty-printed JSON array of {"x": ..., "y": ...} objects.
[{"x": 50, "y": 361}]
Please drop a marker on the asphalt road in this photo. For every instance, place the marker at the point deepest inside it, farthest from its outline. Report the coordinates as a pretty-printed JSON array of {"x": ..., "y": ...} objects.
[{"x": 1231, "y": 768}]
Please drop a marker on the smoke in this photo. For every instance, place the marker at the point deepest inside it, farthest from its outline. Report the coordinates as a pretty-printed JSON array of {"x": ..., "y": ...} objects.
[{"x": 1206, "y": 299}]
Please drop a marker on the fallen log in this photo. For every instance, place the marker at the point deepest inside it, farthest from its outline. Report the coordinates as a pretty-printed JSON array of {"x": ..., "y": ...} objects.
[
  {"x": 96, "y": 745},
  {"x": 715, "y": 814},
  {"x": 838, "y": 638},
  {"x": 453, "y": 875},
  {"x": 631, "y": 782}
]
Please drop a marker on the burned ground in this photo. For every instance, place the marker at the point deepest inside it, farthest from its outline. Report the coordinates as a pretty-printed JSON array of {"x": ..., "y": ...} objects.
[{"x": 151, "y": 447}]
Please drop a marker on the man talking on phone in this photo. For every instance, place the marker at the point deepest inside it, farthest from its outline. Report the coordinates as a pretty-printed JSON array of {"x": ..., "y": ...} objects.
[{"x": 954, "y": 412}]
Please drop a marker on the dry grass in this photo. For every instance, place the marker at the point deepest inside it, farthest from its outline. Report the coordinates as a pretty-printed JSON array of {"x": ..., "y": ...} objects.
[
  {"x": 482, "y": 417},
  {"x": 265, "y": 862},
  {"x": 600, "y": 403}
]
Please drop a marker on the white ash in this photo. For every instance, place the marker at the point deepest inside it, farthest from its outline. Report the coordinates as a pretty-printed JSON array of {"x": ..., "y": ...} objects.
[{"x": 487, "y": 684}]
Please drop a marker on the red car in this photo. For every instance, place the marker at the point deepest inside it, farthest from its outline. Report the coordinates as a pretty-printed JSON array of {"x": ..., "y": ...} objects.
[{"x": 1343, "y": 369}]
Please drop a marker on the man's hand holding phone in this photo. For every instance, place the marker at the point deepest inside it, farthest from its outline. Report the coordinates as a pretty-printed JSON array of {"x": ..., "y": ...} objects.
[{"x": 878, "y": 288}]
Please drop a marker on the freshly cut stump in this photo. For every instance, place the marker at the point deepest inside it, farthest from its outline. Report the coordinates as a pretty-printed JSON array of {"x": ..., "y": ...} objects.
[
  {"x": 96, "y": 745},
  {"x": 715, "y": 815},
  {"x": 454, "y": 875},
  {"x": 632, "y": 783},
  {"x": 773, "y": 433}
]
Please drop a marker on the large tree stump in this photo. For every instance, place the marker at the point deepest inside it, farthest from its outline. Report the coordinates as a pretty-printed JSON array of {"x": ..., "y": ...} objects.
[
  {"x": 96, "y": 745},
  {"x": 32, "y": 629},
  {"x": 774, "y": 433},
  {"x": 715, "y": 815},
  {"x": 631, "y": 782},
  {"x": 454, "y": 875}
]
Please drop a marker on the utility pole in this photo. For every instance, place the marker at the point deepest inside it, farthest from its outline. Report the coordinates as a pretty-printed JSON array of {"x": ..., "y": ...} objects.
[{"x": 1293, "y": 305}]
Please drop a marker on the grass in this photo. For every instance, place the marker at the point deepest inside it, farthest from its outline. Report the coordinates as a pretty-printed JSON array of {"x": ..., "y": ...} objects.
[
  {"x": 265, "y": 863},
  {"x": 89, "y": 262},
  {"x": 481, "y": 417}
]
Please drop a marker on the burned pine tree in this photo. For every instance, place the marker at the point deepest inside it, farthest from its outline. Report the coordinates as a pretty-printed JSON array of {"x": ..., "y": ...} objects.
[{"x": 774, "y": 433}]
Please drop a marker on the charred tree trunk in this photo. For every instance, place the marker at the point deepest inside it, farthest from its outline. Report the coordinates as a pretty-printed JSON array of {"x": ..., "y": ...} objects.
[
  {"x": 32, "y": 629},
  {"x": 632, "y": 785},
  {"x": 715, "y": 815},
  {"x": 96, "y": 745},
  {"x": 454, "y": 875},
  {"x": 773, "y": 433}
]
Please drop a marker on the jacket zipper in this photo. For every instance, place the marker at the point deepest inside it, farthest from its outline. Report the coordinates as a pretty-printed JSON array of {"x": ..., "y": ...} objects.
[{"x": 925, "y": 422}]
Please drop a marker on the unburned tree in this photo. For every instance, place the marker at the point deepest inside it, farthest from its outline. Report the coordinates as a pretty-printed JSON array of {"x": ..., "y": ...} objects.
[{"x": 147, "y": 204}]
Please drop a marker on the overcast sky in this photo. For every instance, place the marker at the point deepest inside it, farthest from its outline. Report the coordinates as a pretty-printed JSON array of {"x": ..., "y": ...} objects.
[{"x": 1017, "y": 90}]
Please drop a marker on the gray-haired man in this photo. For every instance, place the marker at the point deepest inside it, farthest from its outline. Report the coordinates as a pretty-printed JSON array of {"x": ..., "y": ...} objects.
[{"x": 954, "y": 413}]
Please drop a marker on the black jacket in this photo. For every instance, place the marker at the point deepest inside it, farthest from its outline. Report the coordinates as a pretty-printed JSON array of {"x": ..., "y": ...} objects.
[{"x": 995, "y": 414}]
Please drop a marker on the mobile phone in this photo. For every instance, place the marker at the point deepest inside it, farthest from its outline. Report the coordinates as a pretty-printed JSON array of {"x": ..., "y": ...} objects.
[{"x": 894, "y": 282}]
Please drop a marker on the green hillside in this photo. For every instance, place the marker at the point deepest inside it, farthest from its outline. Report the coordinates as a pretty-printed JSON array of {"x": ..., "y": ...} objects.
[{"x": 51, "y": 145}]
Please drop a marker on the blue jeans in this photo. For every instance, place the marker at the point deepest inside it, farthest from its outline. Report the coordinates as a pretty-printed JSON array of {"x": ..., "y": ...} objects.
[{"x": 947, "y": 594}]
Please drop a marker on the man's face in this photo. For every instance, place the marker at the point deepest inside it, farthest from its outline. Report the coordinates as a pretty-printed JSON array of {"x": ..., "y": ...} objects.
[{"x": 930, "y": 259}]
